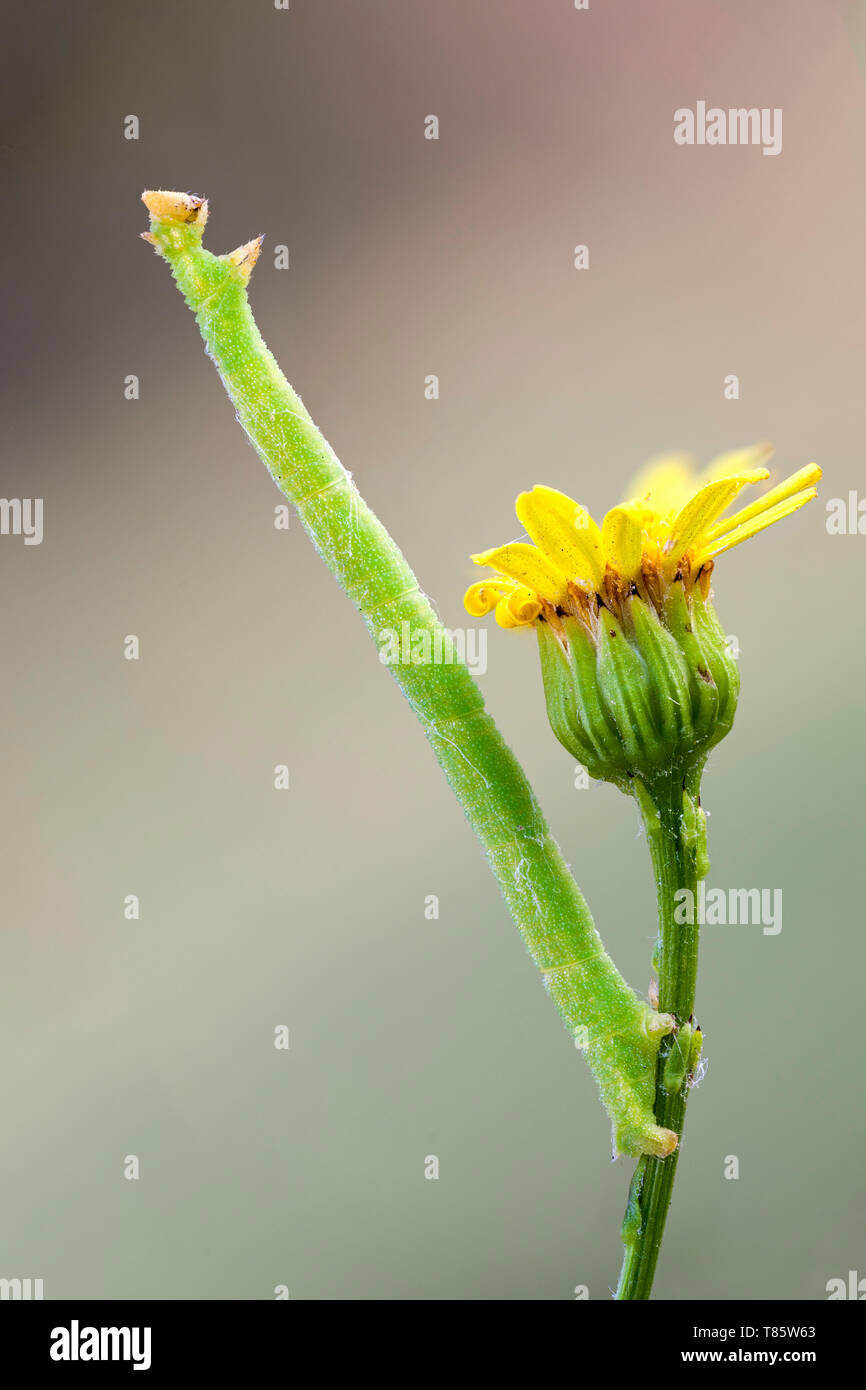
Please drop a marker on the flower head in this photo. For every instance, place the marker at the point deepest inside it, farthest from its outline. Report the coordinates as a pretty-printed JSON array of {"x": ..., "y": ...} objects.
[
  {"x": 636, "y": 670},
  {"x": 671, "y": 530}
]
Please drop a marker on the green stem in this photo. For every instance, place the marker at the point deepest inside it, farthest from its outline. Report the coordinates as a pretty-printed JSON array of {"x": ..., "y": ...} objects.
[
  {"x": 676, "y": 835},
  {"x": 618, "y": 1032}
]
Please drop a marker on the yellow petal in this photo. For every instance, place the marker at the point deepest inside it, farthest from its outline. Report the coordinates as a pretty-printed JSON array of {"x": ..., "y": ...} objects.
[
  {"x": 518, "y": 608},
  {"x": 483, "y": 597},
  {"x": 699, "y": 513},
  {"x": 528, "y": 566},
  {"x": 664, "y": 483},
  {"x": 737, "y": 461},
  {"x": 504, "y": 616},
  {"x": 622, "y": 540},
  {"x": 565, "y": 531},
  {"x": 804, "y": 478},
  {"x": 756, "y": 524}
]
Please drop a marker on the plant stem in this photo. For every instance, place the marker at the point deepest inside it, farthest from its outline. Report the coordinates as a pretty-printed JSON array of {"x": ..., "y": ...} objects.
[{"x": 676, "y": 835}]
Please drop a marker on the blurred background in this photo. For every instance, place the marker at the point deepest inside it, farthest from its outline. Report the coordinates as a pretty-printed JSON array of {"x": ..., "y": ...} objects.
[{"x": 258, "y": 908}]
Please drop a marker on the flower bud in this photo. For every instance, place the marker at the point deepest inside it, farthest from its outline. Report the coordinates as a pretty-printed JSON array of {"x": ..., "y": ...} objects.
[{"x": 637, "y": 694}]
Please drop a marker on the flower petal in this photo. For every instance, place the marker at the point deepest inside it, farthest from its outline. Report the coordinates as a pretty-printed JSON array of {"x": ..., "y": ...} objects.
[
  {"x": 737, "y": 461},
  {"x": 665, "y": 483},
  {"x": 483, "y": 597},
  {"x": 528, "y": 566},
  {"x": 756, "y": 523},
  {"x": 804, "y": 478},
  {"x": 518, "y": 609},
  {"x": 699, "y": 513},
  {"x": 622, "y": 540},
  {"x": 565, "y": 531}
]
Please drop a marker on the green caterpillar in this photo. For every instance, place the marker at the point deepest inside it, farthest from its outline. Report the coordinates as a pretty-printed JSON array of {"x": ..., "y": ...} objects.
[{"x": 619, "y": 1033}]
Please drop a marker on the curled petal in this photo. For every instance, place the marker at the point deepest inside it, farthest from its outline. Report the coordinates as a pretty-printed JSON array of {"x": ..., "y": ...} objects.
[
  {"x": 523, "y": 607},
  {"x": 483, "y": 597}
]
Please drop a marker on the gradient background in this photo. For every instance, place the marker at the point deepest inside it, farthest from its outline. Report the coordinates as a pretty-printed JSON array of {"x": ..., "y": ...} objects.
[{"x": 410, "y": 257}]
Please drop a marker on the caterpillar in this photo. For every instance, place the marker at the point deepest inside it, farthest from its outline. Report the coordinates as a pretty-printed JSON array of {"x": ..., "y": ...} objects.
[{"x": 622, "y": 1032}]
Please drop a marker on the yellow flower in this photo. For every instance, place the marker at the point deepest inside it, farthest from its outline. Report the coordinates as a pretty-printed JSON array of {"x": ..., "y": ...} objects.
[{"x": 670, "y": 531}]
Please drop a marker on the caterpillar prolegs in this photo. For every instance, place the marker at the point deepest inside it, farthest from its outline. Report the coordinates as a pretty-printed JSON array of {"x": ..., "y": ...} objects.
[{"x": 621, "y": 1042}]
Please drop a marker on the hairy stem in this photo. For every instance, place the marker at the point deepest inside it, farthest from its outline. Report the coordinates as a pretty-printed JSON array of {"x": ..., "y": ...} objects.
[{"x": 676, "y": 835}]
